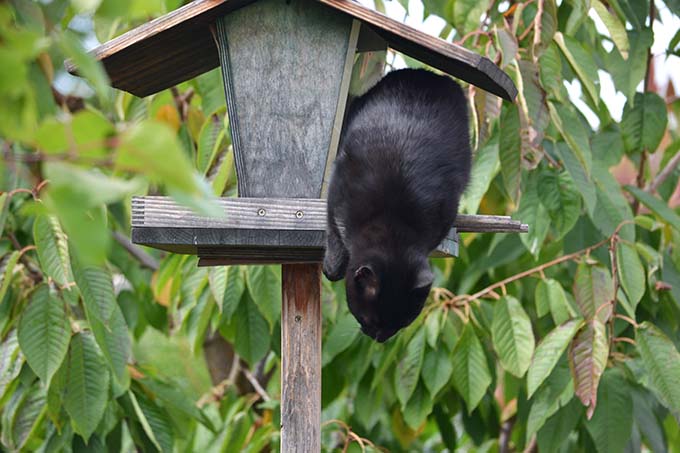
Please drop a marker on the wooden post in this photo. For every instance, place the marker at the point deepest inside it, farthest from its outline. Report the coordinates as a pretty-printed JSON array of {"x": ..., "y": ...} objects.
[{"x": 301, "y": 358}]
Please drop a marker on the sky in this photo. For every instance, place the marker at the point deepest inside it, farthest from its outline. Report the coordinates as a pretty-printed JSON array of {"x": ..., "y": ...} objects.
[{"x": 666, "y": 68}]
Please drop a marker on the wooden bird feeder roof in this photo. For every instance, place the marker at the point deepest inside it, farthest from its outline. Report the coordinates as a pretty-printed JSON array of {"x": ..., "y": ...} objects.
[{"x": 179, "y": 46}]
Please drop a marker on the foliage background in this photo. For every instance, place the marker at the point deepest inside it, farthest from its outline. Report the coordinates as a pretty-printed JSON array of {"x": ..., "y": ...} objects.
[{"x": 565, "y": 339}]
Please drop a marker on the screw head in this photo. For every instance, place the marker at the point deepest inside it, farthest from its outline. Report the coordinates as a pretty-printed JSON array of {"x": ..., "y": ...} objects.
[
  {"x": 262, "y": 213},
  {"x": 299, "y": 214}
]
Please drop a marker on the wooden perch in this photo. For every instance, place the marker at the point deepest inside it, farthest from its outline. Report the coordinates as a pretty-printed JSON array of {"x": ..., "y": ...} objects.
[{"x": 264, "y": 230}]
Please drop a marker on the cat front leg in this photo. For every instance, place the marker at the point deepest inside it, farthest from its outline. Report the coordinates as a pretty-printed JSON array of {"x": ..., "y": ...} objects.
[{"x": 336, "y": 258}]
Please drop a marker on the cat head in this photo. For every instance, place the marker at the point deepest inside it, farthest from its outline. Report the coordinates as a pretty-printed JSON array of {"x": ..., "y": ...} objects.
[{"x": 385, "y": 298}]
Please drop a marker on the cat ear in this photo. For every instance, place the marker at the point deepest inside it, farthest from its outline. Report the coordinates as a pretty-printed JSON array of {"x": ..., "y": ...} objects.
[
  {"x": 367, "y": 281},
  {"x": 424, "y": 278}
]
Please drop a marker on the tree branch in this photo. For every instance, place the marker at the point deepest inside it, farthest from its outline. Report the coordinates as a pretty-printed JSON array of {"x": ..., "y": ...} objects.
[
  {"x": 664, "y": 174},
  {"x": 140, "y": 255}
]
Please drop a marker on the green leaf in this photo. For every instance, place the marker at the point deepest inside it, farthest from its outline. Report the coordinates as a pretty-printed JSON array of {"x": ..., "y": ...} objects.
[
  {"x": 553, "y": 297},
  {"x": 155, "y": 422},
  {"x": 22, "y": 416},
  {"x": 11, "y": 361},
  {"x": 151, "y": 148},
  {"x": 662, "y": 362},
  {"x": 252, "y": 332},
  {"x": 643, "y": 123},
  {"x": 471, "y": 372},
  {"x": 341, "y": 336},
  {"x": 485, "y": 167},
  {"x": 532, "y": 212},
  {"x": 551, "y": 70},
  {"x": 548, "y": 353},
  {"x": 631, "y": 272},
  {"x": 88, "y": 66},
  {"x": 657, "y": 206},
  {"x": 105, "y": 318},
  {"x": 593, "y": 290},
  {"x": 417, "y": 409},
  {"x": 545, "y": 26},
  {"x": 612, "y": 421},
  {"x": 559, "y": 195},
  {"x": 264, "y": 284},
  {"x": 579, "y": 175},
  {"x": 574, "y": 132},
  {"x": 7, "y": 265},
  {"x": 217, "y": 279},
  {"x": 408, "y": 369},
  {"x": 556, "y": 392},
  {"x": 44, "y": 333},
  {"x": 588, "y": 355},
  {"x": 437, "y": 369},
  {"x": 52, "y": 248},
  {"x": 513, "y": 338},
  {"x": 210, "y": 140},
  {"x": 556, "y": 430},
  {"x": 87, "y": 384},
  {"x": 510, "y": 151},
  {"x": 233, "y": 291},
  {"x": 466, "y": 14},
  {"x": 617, "y": 30},
  {"x": 581, "y": 61}
]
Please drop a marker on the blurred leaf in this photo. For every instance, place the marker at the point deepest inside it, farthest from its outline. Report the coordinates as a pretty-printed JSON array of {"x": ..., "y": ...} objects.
[
  {"x": 211, "y": 139},
  {"x": 264, "y": 284},
  {"x": 644, "y": 123},
  {"x": 510, "y": 151},
  {"x": 617, "y": 30},
  {"x": 581, "y": 61},
  {"x": 509, "y": 46},
  {"x": 155, "y": 422},
  {"x": 105, "y": 318},
  {"x": 341, "y": 336},
  {"x": 152, "y": 149},
  {"x": 631, "y": 272},
  {"x": 86, "y": 64},
  {"x": 513, "y": 337},
  {"x": 22, "y": 417},
  {"x": 548, "y": 353},
  {"x": 233, "y": 291},
  {"x": 556, "y": 430},
  {"x": 545, "y": 26},
  {"x": 593, "y": 291},
  {"x": 588, "y": 355},
  {"x": 555, "y": 300},
  {"x": 52, "y": 248},
  {"x": 417, "y": 409},
  {"x": 466, "y": 14},
  {"x": 662, "y": 362},
  {"x": 408, "y": 368},
  {"x": 612, "y": 421},
  {"x": 44, "y": 333},
  {"x": 471, "y": 375},
  {"x": 579, "y": 176},
  {"x": 576, "y": 136},
  {"x": 556, "y": 392},
  {"x": 252, "y": 333},
  {"x": 657, "y": 206},
  {"x": 558, "y": 194},
  {"x": 485, "y": 167},
  {"x": 86, "y": 386},
  {"x": 11, "y": 361},
  {"x": 7, "y": 265},
  {"x": 437, "y": 369},
  {"x": 532, "y": 212}
]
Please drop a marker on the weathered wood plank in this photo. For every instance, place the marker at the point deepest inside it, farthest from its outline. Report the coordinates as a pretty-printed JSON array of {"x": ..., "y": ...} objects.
[
  {"x": 283, "y": 64},
  {"x": 301, "y": 358},
  {"x": 178, "y": 46},
  {"x": 278, "y": 214}
]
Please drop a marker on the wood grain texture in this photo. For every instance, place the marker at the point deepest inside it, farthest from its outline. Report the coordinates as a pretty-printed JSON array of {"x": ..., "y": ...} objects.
[
  {"x": 279, "y": 214},
  {"x": 301, "y": 358},
  {"x": 178, "y": 46},
  {"x": 285, "y": 66}
]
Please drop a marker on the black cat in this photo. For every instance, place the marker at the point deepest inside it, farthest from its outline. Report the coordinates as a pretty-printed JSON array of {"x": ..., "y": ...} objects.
[{"x": 402, "y": 165}]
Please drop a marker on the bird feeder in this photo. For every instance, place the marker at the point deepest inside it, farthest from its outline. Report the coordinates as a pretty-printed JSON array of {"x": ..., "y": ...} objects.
[{"x": 286, "y": 67}]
